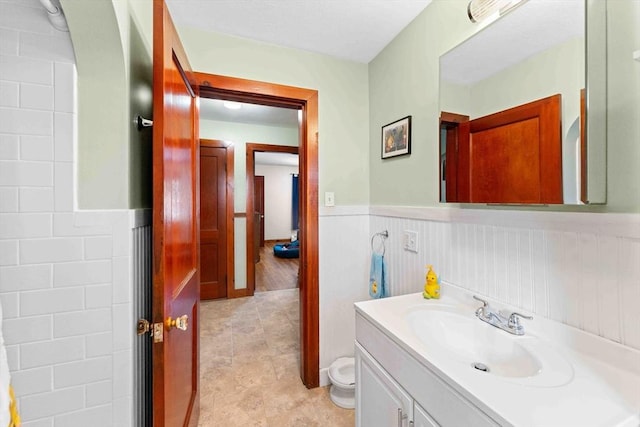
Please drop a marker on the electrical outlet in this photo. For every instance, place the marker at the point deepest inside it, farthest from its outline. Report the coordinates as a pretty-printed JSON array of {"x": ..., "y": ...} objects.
[
  {"x": 410, "y": 241},
  {"x": 329, "y": 198}
]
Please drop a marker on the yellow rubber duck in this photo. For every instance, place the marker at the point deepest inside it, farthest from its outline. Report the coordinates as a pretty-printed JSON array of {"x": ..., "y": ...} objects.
[{"x": 431, "y": 286}]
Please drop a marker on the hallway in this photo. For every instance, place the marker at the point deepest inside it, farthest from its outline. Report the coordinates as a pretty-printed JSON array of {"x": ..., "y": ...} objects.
[
  {"x": 273, "y": 273},
  {"x": 250, "y": 366}
]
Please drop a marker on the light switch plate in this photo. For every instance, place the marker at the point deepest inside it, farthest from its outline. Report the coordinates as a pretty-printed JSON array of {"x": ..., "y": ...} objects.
[
  {"x": 410, "y": 240},
  {"x": 329, "y": 198}
]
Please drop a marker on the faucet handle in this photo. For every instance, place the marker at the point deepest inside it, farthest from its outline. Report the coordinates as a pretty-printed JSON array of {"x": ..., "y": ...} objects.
[
  {"x": 514, "y": 320},
  {"x": 484, "y": 303},
  {"x": 481, "y": 310}
]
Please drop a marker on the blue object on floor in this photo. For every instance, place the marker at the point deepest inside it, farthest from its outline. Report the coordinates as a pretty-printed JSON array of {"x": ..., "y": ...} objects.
[{"x": 287, "y": 250}]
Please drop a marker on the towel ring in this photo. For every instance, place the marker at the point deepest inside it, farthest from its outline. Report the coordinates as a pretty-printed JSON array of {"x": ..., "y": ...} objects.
[{"x": 383, "y": 235}]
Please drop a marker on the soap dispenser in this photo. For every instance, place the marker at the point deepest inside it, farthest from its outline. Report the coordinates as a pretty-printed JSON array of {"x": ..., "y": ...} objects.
[{"x": 432, "y": 285}]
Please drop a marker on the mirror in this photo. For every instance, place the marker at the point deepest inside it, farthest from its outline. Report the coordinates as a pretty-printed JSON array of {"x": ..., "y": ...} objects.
[{"x": 514, "y": 98}]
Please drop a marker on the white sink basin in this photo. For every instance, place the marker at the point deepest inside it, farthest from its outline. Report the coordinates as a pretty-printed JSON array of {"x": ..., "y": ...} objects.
[{"x": 486, "y": 349}]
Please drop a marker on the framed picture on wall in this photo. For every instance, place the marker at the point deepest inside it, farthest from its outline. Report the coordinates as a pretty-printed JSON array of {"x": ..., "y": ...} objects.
[{"x": 396, "y": 138}]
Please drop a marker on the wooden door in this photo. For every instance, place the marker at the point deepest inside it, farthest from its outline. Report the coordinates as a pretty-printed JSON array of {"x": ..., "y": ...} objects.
[
  {"x": 213, "y": 222},
  {"x": 513, "y": 156},
  {"x": 258, "y": 196},
  {"x": 175, "y": 229}
]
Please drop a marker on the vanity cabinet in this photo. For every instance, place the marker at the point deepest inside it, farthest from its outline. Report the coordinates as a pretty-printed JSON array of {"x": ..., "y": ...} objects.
[
  {"x": 421, "y": 418},
  {"x": 381, "y": 401},
  {"x": 394, "y": 389}
]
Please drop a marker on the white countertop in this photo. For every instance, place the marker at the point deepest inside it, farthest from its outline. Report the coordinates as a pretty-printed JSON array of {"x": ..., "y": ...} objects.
[{"x": 603, "y": 389}]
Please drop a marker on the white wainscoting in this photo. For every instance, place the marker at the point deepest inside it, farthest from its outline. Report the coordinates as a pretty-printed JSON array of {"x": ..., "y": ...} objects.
[
  {"x": 582, "y": 269},
  {"x": 344, "y": 272}
]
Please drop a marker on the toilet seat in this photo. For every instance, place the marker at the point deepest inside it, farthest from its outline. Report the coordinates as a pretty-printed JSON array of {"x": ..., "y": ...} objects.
[{"x": 342, "y": 373}]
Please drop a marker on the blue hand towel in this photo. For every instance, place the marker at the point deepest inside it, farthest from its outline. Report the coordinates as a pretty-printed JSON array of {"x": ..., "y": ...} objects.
[{"x": 378, "y": 280}]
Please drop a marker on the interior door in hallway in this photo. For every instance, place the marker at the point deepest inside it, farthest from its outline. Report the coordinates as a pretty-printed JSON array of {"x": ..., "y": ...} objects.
[
  {"x": 213, "y": 227},
  {"x": 175, "y": 328}
]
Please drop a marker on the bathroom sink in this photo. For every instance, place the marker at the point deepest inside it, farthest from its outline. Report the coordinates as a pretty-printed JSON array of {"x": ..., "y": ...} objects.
[{"x": 487, "y": 350}]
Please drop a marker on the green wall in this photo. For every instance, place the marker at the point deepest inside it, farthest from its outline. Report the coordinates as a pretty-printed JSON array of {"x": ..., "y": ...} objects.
[
  {"x": 343, "y": 100},
  {"x": 396, "y": 91},
  {"x": 113, "y": 58},
  {"x": 240, "y": 134},
  {"x": 112, "y": 40}
]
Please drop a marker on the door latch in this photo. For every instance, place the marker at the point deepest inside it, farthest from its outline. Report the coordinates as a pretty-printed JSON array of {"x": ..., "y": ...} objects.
[{"x": 155, "y": 329}]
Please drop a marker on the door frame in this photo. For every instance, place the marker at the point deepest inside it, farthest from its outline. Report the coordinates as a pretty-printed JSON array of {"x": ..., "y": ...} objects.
[
  {"x": 451, "y": 122},
  {"x": 253, "y": 148},
  {"x": 229, "y": 221},
  {"x": 243, "y": 90}
]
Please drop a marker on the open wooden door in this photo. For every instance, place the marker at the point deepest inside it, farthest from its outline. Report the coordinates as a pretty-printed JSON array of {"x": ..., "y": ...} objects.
[{"x": 175, "y": 230}]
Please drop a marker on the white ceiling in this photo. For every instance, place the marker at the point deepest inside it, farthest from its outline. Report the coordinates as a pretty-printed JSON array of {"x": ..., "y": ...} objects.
[
  {"x": 214, "y": 109},
  {"x": 276, "y": 159},
  {"x": 349, "y": 29}
]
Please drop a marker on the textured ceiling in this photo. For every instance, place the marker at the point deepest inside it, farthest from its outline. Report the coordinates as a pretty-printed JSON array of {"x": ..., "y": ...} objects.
[{"x": 349, "y": 29}]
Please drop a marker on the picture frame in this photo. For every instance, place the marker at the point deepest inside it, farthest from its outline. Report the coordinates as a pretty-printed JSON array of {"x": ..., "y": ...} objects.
[{"x": 396, "y": 138}]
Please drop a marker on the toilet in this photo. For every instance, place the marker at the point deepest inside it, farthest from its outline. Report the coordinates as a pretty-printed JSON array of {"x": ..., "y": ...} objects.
[{"x": 342, "y": 375}]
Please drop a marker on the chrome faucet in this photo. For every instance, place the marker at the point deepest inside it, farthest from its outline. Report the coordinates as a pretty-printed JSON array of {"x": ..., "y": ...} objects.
[{"x": 510, "y": 323}]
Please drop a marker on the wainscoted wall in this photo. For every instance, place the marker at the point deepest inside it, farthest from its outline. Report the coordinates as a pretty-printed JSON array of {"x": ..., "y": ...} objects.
[
  {"x": 64, "y": 275},
  {"x": 581, "y": 269},
  {"x": 344, "y": 276}
]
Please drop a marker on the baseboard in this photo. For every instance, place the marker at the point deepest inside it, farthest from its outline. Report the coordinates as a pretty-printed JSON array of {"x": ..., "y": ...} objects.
[{"x": 324, "y": 377}]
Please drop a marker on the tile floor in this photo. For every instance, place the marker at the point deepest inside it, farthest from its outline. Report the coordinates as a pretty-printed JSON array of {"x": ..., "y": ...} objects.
[{"x": 249, "y": 362}]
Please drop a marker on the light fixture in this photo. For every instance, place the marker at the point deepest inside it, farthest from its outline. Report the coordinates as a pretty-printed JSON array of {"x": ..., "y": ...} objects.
[
  {"x": 55, "y": 15},
  {"x": 231, "y": 105},
  {"x": 479, "y": 10}
]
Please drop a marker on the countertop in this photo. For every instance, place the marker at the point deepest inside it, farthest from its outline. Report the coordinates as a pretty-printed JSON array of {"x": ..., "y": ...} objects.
[{"x": 602, "y": 390}]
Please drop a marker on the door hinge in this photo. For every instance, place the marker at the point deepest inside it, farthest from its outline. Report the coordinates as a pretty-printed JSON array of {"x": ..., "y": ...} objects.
[{"x": 156, "y": 330}]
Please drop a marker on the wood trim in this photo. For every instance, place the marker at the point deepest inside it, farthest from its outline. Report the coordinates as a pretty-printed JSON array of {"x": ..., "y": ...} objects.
[
  {"x": 230, "y": 215},
  {"x": 240, "y": 215},
  {"x": 446, "y": 117},
  {"x": 251, "y": 149},
  {"x": 307, "y": 100},
  {"x": 451, "y": 122},
  {"x": 239, "y": 293}
]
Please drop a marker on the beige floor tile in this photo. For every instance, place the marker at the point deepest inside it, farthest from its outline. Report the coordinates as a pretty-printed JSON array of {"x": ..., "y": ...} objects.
[
  {"x": 244, "y": 408},
  {"x": 250, "y": 369}
]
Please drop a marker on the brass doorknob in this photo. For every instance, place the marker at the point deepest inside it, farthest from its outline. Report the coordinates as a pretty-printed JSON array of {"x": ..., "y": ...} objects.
[{"x": 181, "y": 322}]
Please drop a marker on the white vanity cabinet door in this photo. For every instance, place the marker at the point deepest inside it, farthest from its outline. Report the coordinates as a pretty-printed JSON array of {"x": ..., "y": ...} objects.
[
  {"x": 421, "y": 418},
  {"x": 380, "y": 401}
]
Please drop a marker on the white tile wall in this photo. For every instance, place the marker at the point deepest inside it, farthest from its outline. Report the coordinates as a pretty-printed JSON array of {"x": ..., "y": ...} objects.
[
  {"x": 64, "y": 275},
  {"x": 39, "y": 148},
  {"x": 548, "y": 264}
]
